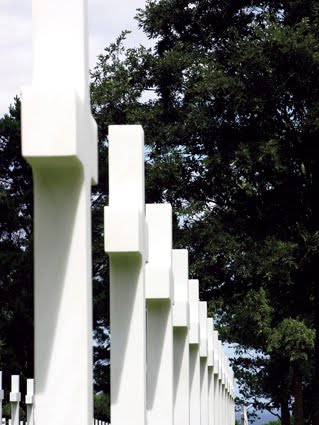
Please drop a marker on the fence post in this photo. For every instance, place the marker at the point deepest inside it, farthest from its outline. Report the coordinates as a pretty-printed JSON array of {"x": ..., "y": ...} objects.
[
  {"x": 125, "y": 243},
  {"x": 29, "y": 401},
  {"x": 59, "y": 140},
  {"x": 194, "y": 360},
  {"x": 15, "y": 398},
  {"x": 180, "y": 335},
  {"x": 203, "y": 362},
  {"x": 159, "y": 297}
]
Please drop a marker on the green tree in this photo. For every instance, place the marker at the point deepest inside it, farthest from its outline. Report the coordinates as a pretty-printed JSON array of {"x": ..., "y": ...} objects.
[
  {"x": 102, "y": 407},
  {"x": 231, "y": 123},
  {"x": 294, "y": 340},
  {"x": 231, "y": 142},
  {"x": 16, "y": 262}
]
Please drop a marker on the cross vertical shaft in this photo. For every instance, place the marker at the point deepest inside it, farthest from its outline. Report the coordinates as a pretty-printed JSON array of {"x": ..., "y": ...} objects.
[
  {"x": 159, "y": 292},
  {"x": 59, "y": 140},
  {"x": 180, "y": 336},
  {"x": 125, "y": 243}
]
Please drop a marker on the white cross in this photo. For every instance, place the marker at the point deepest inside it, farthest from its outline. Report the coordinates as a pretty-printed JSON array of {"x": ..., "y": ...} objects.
[
  {"x": 194, "y": 359},
  {"x": 56, "y": 114},
  {"x": 125, "y": 238},
  {"x": 59, "y": 140},
  {"x": 159, "y": 297},
  {"x": 203, "y": 361},
  {"x": 181, "y": 340}
]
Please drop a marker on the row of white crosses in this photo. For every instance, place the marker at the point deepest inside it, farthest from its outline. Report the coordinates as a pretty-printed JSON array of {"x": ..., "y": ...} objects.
[
  {"x": 15, "y": 399},
  {"x": 167, "y": 363},
  {"x": 59, "y": 140}
]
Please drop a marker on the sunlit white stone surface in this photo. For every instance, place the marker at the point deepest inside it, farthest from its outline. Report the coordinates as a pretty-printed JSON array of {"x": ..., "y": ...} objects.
[
  {"x": 194, "y": 359},
  {"x": 125, "y": 242},
  {"x": 59, "y": 140},
  {"x": 159, "y": 293}
]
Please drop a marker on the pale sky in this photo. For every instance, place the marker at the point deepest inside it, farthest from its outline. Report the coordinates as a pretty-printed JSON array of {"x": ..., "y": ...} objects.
[{"x": 107, "y": 18}]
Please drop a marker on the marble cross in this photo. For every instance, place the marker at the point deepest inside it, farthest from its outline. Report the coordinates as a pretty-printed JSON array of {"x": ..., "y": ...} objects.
[
  {"x": 181, "y": 339},
  {"x": 59, "y": 140},
  {"x": 125, "y": 242},
  {"x": 159, "y": 313},
  {"x": 194, "y": 359}
]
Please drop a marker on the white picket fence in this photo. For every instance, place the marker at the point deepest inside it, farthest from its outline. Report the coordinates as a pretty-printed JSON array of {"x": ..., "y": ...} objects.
[{"x": 167, "y": 363}]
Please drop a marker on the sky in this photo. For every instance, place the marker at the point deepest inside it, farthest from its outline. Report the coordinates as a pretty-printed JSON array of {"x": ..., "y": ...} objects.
[{"x": 106, "y": 20}]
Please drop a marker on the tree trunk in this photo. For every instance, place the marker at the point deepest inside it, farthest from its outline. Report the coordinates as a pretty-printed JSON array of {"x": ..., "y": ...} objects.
[
  {"x": 315, "y": 262},
  {"x": 298, "y": 394},
  {"x": 284, "y": 407},
  {"x": 315, "y": 382},
  {"x": 285, "y": 391}
]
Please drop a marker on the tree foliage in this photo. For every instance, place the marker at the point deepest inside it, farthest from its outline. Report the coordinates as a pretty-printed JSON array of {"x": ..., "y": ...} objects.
[
  {"x": 16, "y": 261},
  {"x": 231, "y": 132},
  {"x": 228, "y": 98}
]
